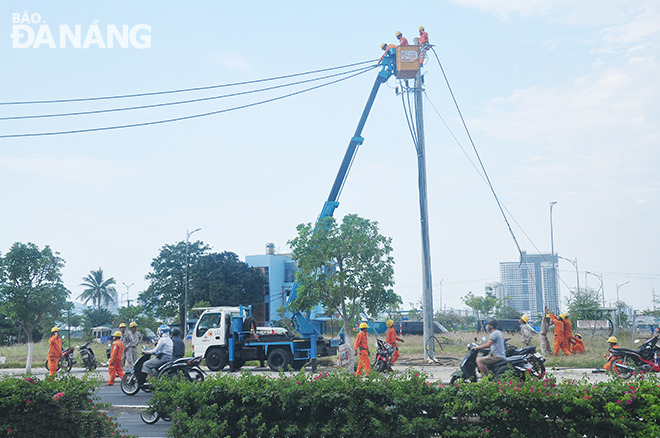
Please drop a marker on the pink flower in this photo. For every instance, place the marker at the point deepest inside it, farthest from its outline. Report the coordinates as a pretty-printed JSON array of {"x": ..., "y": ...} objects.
[
  {"x": 28, "y": 401},
  {"x": 27, "y": 379},
  {"x": 58, "y": 396}
]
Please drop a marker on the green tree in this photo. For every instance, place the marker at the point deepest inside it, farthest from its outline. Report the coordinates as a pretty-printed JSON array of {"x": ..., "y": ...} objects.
[
  {"x": 583, "y": 304},
  {"x": 223, "y": 280},
  {"x": 135, "y": 314},
  {"x": 484, "y": 306},
  {"x": 346, "y": 267},
  {"x": 96, "y": 317},
  {"x": 31, "y": 288},
  {"x": 97, "y": 289},
  {"x": 165, "y": 295}
]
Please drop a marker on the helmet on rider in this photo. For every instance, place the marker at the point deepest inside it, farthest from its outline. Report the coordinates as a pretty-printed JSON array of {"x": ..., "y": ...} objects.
[
  {"x": 162, "y": 330},
  {"x": 493, "y": 323},
  {"x": 176, "y": 331}
]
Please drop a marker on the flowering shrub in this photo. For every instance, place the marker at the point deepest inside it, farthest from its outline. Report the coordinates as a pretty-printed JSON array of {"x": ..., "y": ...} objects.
[
  {"x": 341, "y": 405},
  {"x": 64, "y": 407}
]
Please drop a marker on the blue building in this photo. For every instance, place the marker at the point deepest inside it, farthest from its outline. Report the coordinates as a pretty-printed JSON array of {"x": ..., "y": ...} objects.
[{"x": 280, "y": 272}]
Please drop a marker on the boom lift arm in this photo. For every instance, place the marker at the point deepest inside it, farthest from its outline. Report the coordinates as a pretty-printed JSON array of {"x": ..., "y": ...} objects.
[{"x": 304, "y": 327}]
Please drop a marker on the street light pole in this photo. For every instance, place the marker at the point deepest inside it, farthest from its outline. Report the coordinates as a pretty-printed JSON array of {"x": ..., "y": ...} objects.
[
  {"x": 577, "y": 273},
  {"x": 599, "y": 277},
  {"x": 618, "y": 318},
  {"x": 128, "y": 286},
  {"x": 552, "y": 249},
  {"x": 185, "y": 299}
]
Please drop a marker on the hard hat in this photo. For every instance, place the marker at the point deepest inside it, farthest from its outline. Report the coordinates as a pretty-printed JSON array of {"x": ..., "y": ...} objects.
[
  {"x": 389, "y": 323},
  {"x": 398, "y": 34},
  {"x": 563, "y": 315},
  {"x": 382, "y": 46},
  {"x": 579, "y": 336},
  {"x": 54, "y": 329},
  {"x": 122, "y": 325},
  {"x": 363, "y": 325},
  {"x": 525, "y": 318},
  {"x": 547, "y": 315},
  {"x": 613, "y": 340},
  {"x": 421, "y": 27},
  {"x": 117, "y": 334},
  {"x": 133, "y": 324}
]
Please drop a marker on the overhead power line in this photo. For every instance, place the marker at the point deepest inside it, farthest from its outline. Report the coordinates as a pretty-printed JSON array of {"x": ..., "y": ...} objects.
[
  {"x": 194, "y": 116},
  {"x": 183, "y": 90}
]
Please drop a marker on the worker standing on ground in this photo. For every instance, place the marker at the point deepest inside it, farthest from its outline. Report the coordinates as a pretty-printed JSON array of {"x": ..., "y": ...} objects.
[
  {"x": 116, "y": 355},
  {"x": 131, "y": 341},
  {"x": 391, "y": 338},
  {"x": 362, "y": 350},
  {"x": 543, "y": 335},
  {"x": 403, "y": 41},
  {"x": 54, "y": 350},
  {"x": 577, "y": 345},
  {"x": 526, "y": 331},
  {"x": 423, "y": 36},
  {"x": 125, "y": 340},
  {"x": 386, "y": 48},
  {"x": 559, "y": 334},
  {"x": 568, "y": 332}
]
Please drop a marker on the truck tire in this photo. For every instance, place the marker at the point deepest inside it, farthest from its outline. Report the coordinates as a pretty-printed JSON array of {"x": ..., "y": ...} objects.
[
  {"x": 250, "y": 324},
  {"x": 279, "y": 359},
  {"x": 216, "y": 359}
]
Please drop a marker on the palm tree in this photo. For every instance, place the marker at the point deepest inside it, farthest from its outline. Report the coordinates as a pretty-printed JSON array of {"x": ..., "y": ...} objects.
[{"x": 98, "y": 290}]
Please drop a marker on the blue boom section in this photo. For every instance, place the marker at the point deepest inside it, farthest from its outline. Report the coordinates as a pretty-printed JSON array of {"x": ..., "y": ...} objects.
[{"x": 304, "y": 327}]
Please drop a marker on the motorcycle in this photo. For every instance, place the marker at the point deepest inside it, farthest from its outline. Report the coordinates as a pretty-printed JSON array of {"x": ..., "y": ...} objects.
[
  {"x": 532, "y": 356},
  {"x": 645, "y": 359},
  {"x": 88, "y": 357},
  {"x": 136, "y": 379},
  {"x": 520, "y": 364},
  {"x": 66, "y": 360},
  {"x": 383, "y": 360}
]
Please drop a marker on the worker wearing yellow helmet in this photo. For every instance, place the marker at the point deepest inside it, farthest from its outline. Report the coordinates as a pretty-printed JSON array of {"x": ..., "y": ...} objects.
[
  {"x": 131, "y": 340},
  {"x": 612, "y": 343},
  {"x": 577, "y": 345},
  {"x": 423, "y": 36},
  {"x": 362, "y": 350},
  {"x": 386, "y": 48},
  {"x": 54, "y": 350},
  {"x": 391, "y": 338},
  {"x": 403, "y": 41},
  {"x": 116, "y": 354},
  {"x": 568, "y": 332},
  {"x": 526, "y": 331}
]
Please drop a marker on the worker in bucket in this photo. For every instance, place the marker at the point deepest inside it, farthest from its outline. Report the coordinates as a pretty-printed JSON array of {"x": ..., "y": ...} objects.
[
  {"x": 402, "y": 40},
  {"x": 423, "y": 36},
  {"x": 362, "y": 350},
  {"x": 386, "y": 48}
]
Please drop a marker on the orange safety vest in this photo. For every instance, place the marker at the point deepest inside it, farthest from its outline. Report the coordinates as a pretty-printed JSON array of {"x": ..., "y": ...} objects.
[
  {"x": 423, "y": 37},
  {"x": 403, "y": 41},
  {"x": 390, "y": 337},
  {"x": 117, "y": 352},
  {"x": 55, "y": 347}
]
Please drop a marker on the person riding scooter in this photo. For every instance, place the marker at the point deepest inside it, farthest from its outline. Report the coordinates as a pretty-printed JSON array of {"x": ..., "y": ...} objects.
[
  {"x": 496, "y": 345},
  {"x": 163, "y": 351}
]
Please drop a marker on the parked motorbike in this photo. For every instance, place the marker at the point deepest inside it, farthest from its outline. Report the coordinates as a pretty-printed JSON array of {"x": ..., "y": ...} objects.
[
  {"x": 88, "y": 357},
  {"x": 627, "y": 361},
  {"x": 136, "y": 379},
  {"x": 384, "y": 353},
  {"x": 66, "y": 360},
  {"x": 532, "y": 356},
  {"x": 520, "y": 364}
]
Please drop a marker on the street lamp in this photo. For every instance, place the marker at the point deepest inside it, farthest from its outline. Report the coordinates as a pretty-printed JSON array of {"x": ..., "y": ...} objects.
[
  {"x": 185, "y": 299},
  {"x": 600, "y": 277},
  {"x": 128, "y": 286},
  {"x": 577, "y": 273},
  {"x": 618, "y": 318},
  {"x": 552, "y": 249}
]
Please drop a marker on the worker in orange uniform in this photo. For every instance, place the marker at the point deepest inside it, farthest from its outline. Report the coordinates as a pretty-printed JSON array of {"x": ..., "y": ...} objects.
[
  {"x": 577, "y": 345},
  {"x": 403, "y": 41},
  {"x": 362, "y": 349},
  {"x": 116, "y": 355},
  {"x": 423, "y": 36},
  {"x": 612, "y": 342},
  {"x": 54, "y": 350},
  {"x": 386, "y": 48},
  {"x": 559, "y": 333},
  {"x": 391, "y": 338},
  {"x": 568, "y": 332}
]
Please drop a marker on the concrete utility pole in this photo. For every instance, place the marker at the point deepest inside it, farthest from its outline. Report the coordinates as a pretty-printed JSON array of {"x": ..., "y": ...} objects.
[
  {"x": 554, "y": 270},
  {"x": 185, "y": 299},
  {"x": 128, "y": 298},
  {"x": 427, "y": 285}
]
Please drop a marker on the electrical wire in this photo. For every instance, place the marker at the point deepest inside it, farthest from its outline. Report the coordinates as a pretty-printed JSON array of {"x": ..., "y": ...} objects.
[
  {"x": 183, "y": 90},
  {"x": 177, "y": 119},
  {"x": 201, "y": 99},
  {"x": 492, "y": 189}
]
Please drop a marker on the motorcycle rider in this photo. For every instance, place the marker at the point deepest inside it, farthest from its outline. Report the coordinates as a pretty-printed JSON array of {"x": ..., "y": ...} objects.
[
  {"x": 178, "y": 347},
  {"x": 496, "y": 345},
  {"x": 162, "y": 352}
]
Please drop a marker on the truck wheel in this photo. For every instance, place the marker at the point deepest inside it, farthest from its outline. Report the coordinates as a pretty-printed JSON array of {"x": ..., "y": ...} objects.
[
  {"x": 279, "y": 359},
  {"x": 216, "y": 359}
]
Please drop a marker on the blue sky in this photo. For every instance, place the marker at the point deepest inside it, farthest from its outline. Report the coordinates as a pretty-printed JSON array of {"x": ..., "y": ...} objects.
[{"x": 560, "y": 98}]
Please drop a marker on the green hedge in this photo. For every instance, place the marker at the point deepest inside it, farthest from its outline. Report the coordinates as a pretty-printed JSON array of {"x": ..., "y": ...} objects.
[
  {"x": 64, "y": 407},
  {"x": 341, "y": 405}
]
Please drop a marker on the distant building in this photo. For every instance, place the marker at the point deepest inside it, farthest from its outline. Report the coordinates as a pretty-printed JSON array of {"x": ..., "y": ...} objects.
[
  {"x": 280, "y": 272},
  {"x": 530, "y": 283}
]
